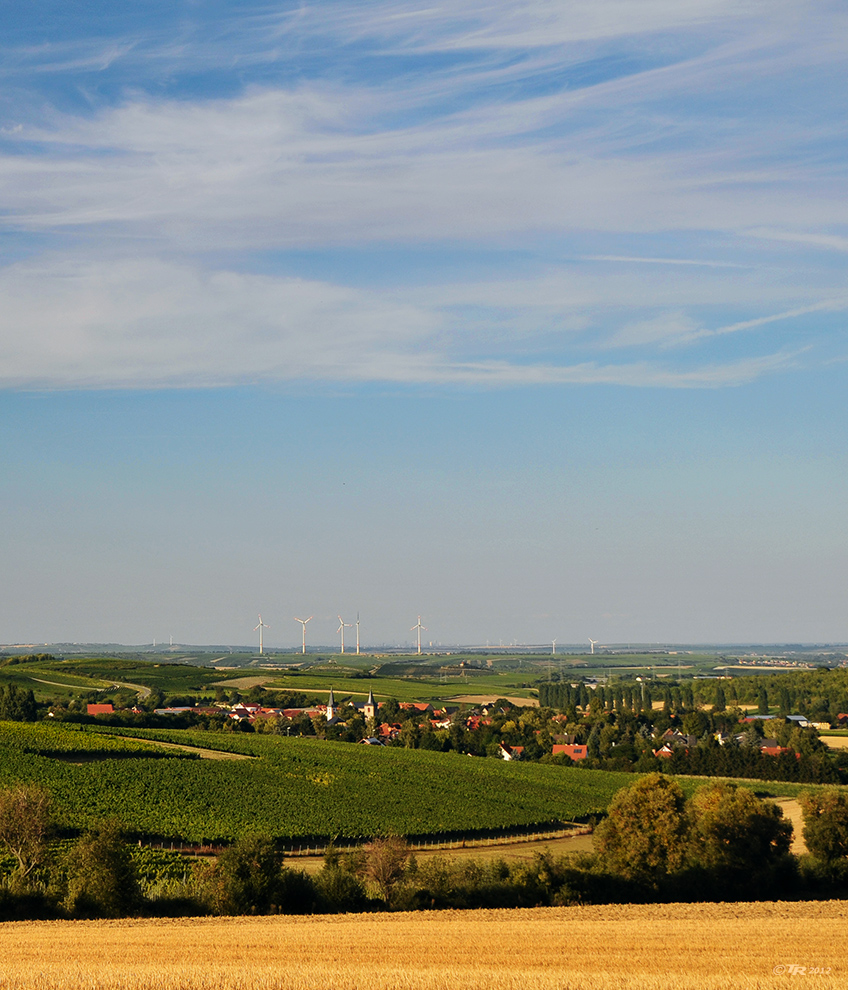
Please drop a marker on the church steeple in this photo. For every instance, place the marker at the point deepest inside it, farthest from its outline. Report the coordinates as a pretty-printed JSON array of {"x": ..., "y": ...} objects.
[
  {"x": 331, "y": 706},
  {"x": 370, "y": 708}
]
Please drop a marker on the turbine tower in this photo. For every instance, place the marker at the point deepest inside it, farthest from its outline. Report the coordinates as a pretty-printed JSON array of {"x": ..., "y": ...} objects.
[
  {"x": 553, "y": 648},
  {"x": 262, "y": 625},
  {"x": 342, "y": 626},
  {"x": 592, "y": 644},
  {"x": 303, "y": 623},
  {"x": 419, "y": 627},
  {"x": 357, "y": 633}
]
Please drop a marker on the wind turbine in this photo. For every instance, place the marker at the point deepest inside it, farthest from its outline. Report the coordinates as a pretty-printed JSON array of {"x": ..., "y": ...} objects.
[
  {"x": 592, "y": 644},
  {"x": 553, "y": 648},
  {"x": 342, "y": 626},
  {"x": 357, "y": 633},
  {"x": 419, "y": 627},
  {"x": 262, "y": 625},
  {"x": 303, "y": 623}
]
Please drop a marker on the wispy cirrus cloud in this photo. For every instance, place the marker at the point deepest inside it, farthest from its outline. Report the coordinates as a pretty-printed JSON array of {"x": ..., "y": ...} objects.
[
  {"x": 151, "y": 323},
  {"x": 610, "y": 135}
]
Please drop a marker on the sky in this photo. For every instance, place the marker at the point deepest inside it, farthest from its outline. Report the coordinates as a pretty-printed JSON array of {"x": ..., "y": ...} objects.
[{"x": 525, "y": 317}]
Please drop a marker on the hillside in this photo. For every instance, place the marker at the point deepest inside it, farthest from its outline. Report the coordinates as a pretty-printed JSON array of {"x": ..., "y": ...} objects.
[{"x": 291, "y": 788}]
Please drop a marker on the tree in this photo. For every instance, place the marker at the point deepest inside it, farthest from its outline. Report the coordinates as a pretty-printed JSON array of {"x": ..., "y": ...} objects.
[
  {"x": 102, "y": 879},
  {"x": 17, "y": 705},
  {"x": 734, "y": 834},
  {"x": 387, "y": 863},
  {"x": 825, "y": 824},
  {"x": 696, "y": 723},
  {"x": 24, "y": 825},
  {"x": 247, "y": 878},
  {"x": 644, "y": 835}
]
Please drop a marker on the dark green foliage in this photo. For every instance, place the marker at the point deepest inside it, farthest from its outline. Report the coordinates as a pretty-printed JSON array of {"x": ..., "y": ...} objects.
[
  {"x": 17, "y": 705},
  {"x": 24, "y": 826},
  {"x": 645, "y": 834},
  {"x": 723, "y": 842},
  {"x": 826, "y": 824},
  {"x": 735, "y": 837},
  {"x": 246, "y": 878},
  {"x": 101, "y": 878},
  {"x": 339, "y": 890},
  {"x": 249, "y": 878}
]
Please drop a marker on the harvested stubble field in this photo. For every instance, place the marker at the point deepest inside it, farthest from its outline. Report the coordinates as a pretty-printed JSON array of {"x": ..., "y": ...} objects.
[{"x": 685, "y": 946}]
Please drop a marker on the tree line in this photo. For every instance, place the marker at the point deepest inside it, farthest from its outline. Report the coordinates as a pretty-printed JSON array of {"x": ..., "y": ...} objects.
[{"x": 654, "y": 844}]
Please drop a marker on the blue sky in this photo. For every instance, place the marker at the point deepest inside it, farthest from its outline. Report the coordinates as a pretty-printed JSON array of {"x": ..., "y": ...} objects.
[{"x": 528, "y": 316}]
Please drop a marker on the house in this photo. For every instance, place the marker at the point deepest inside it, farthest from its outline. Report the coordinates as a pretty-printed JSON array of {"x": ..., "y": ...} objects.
[
  {"x": 510, "y": 752},
  {"x": 672, "y": 737},
  {"x": 774, "y": 750},
  {"x": 799, "y": 720},
  {"x": 572, "y": 750},
  {"x": 100, "y": 709},
  {"x": 664, "y": 752},
  {"x": 371, "y": 741},
  {"x": 423, "y": 707}
]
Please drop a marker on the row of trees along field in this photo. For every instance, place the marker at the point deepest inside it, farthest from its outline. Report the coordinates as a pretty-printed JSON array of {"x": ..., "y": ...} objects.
[
  {"x": 820, "y": 694},
  {"x": 655, "y": 844}
]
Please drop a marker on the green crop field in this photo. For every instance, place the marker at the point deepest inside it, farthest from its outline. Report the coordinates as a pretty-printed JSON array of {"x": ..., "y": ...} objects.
[
  {"x": 293, "y": 788},
  {"x": 58, "y": 680}
]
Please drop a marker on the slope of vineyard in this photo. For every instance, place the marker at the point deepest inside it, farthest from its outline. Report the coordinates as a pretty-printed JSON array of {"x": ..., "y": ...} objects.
[{"x": 293, "y": 788}]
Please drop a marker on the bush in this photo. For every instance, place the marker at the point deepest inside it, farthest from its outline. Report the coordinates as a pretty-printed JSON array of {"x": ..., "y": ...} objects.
[
  {"x": 101, "y": 878},
  {"x": 249, "y": 878},
  {"x": 826, "y": 824},
  {"x": 339, "y": 890},
  {"x": 645, "y": 834}
]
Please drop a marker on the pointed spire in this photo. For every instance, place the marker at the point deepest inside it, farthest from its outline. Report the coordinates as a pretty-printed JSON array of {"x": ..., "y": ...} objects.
[{"x": 369, "y": 709}]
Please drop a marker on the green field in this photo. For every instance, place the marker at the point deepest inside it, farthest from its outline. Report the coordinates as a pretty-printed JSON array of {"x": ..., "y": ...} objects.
[
  {"x": 293, "y": 788},
  {"x": 425, "y": 681},
  {"x": 431, "y": 678}
]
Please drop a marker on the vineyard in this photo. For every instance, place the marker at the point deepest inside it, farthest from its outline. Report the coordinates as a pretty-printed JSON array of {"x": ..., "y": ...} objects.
[{"x": 293, "y": 788}]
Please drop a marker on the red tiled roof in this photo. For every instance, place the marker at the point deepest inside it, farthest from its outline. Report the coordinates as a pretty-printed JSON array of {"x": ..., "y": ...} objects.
[
  {"x": 100, "y": 709},
  {"x": 571, "y": 749}
]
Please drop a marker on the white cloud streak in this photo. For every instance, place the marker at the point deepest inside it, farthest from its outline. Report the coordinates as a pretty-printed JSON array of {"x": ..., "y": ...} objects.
[
  {"x": 157, "y": 324},
  {"x": 536, "y": 129}
]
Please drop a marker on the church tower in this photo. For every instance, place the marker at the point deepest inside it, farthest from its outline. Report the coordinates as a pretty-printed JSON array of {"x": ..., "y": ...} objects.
[
  {"x": 331, "y": 707},
  {"x": 370, "y": 709}
]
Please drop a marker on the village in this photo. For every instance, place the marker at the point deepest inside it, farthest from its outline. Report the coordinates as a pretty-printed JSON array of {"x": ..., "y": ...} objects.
[{"x": 731, "y": 742}]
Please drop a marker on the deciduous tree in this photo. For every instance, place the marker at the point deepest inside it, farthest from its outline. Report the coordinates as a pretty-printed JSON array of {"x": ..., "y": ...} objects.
[
  {"x": 826, "y": 824},
  {"x": 734, "y": 834},
  {"x": 24, "y": 825},
  {"x": 644, "y": 835}
]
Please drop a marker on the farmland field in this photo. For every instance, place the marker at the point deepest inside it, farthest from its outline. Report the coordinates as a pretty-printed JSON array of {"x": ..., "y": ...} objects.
[
  {"x": 645, "y": 947},
  {"x": 293, "y": 788}
]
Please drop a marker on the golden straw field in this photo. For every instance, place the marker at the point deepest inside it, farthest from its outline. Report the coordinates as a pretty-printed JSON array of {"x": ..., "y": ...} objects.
[{"x": 615, "y": 947}]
